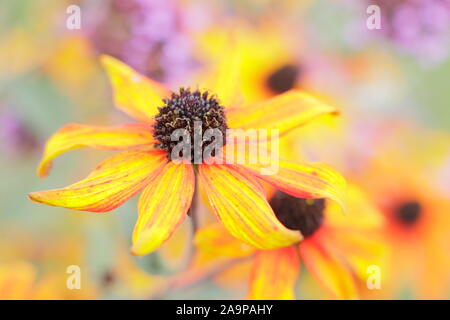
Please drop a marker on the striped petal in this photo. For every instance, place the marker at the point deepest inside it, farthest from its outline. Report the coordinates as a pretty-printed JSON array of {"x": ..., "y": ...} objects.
[
  {"x": 274, "y": 274},
  {"x": 134, "y": 93},
  {"x": 284, "y": 112},
  {"x": 239, "y": 202},
  {"x": 111, "y": 184},
  {"x": 163, "y": 206},
  {"x": 75, "y": 136},
  {"x": 313, "y": 180},
  {"x": 327, "y": 267}
]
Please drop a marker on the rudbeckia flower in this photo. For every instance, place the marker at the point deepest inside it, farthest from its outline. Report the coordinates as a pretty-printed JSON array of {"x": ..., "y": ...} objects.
[
  {"x": 269, "y": 63},
  {"x": 417, "y": 224},
  {"x": 233, "y": 190},
  {"x": 336, "y": 249}
]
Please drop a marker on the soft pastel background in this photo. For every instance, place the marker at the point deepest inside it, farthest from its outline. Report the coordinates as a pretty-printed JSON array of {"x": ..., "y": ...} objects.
[{"x": 393, "y": 87}]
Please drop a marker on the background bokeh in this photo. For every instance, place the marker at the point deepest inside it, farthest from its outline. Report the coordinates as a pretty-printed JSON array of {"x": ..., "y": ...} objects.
[{"x": 393, "y": 88}]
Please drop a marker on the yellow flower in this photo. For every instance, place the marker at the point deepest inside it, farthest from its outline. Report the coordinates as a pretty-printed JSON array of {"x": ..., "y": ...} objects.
[
  {"x": 16, "y": 281},
  {"x": 268, "y": 62},
  {"x": 233, "y": 191},
  {"x": 336, "y": 249},
  {"x": 417, "y": 220},
  {"x": 19, "y": 280}
]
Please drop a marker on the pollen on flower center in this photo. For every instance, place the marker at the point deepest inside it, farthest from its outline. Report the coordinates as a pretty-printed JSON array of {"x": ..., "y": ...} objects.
[
  {"x": 305, "y": 215},
  {"x": 185, "y": 110},
  {"x": 283, "y": 79},
  {"x": 408, "y": 213}
]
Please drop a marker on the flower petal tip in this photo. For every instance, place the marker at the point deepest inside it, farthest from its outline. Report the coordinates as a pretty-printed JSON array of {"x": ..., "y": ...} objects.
[
  {"x": 35, "y": 197},
  {"x": 140, "y": 248},
  {"x": 107, "y": 60},
  {"x": 43, "y": 169}
]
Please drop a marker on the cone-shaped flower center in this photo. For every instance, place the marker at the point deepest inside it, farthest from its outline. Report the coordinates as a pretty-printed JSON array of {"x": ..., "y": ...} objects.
[
  {"x": 408, "y": 212},
  {"x": 189, "y": 113},
  {"x": 283, "y": 79},
  {"x": 305, "y": 215}
]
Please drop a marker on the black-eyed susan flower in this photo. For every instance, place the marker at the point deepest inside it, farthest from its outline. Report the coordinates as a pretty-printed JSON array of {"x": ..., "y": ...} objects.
[
  {"x": 233, "y": 190},
  {"x": 336, "y": 249},
  {"x": 417, "y": 223},
  {"x": 269, "y": 63}
]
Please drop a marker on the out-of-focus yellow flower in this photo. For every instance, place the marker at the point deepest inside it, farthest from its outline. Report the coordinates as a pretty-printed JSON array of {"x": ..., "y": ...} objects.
[
  {"x": 336, "y": 249},
  {"x": 44, "y": 261},
  {"x": 16, "y": 281},
  {"x": 395, "y": 163},
  {"x": 417, "y": 225},
  {"x": 72, "y": 64},
  {"x": 27, "y": 45},
  {"x": 18, "y": 53},
  {"x": 126, "y": 279},
  {"x": 267, "y": 58},
  {"x": 19, "y": 280},
  {"x": 232, "y": 190}
]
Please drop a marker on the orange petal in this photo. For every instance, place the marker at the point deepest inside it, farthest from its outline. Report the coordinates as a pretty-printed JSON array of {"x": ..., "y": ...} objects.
[
  {"x": 135, "y": 94},
  {"x": 363, "y": 247},
  {"x": 239, "y": 202},
  {"x": 274, "y": 274},
  {"x": 283, "y": 112},
  {"x": 163, "y": 206},
  {"x": 327, "y": 267},
  {"x": 215, "y": 238},
  {"x": 75, "y": 136},
  {"x": 112, "y": 183},
  {"x": 314, "y": 180}
]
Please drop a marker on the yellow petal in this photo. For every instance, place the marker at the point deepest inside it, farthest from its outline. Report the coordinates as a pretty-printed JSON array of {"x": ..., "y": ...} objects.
[
  {"x": 111, "y": 184},
  {"x": 215, "y": 238},
  {"x": 327, "y": 267},
  {"x": 163, "y": 206},
  {"x": 362, "y": 214},
  {"x": 274, "y": 274},
  {"x": 135, "y": 94},
  {"x": 363, "y": 247},
  {"x": 224, "y": 82},
  {"x": 284, "y": 112},
  {"x": 314, "y": 180},
  {"x": 239, "y": 202},
  {"x": 75, "y": 136}
]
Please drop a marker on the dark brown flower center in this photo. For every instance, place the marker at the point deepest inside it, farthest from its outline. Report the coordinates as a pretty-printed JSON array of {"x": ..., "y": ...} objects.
[
  {"x": 305, "y": 215},
  {"x": 191, "y": 112},
  {"x": 108, "y": 278},
  {"x": 408, "y": 212},
  {"x": 283, "y": 79}
]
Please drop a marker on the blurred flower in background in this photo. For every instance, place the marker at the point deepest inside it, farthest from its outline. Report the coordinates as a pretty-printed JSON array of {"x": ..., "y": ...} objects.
[
  {"x": 151, "y": 36},
  {"x": 336, "y": 249},
  {"x": 419, "y": 27},
  {"x": 416, "y": 28},
  {"x": 263, "y": 72},
  {"x": 400, "y": 181},
  {"x": 16, "y": 136},
  {"x": 390, "y": 142}
]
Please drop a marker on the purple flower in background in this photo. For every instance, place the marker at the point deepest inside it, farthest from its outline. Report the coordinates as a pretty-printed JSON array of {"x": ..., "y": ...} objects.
[
  {"x": 420, "y": 27},
  {"x": 16, "y": 137},
  {"x": 150, "y": 35}
]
